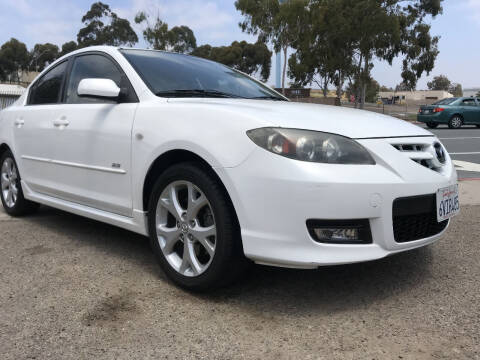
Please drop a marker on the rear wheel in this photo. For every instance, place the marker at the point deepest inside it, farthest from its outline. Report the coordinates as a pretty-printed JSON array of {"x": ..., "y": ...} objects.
[
  {"x": 432, "y": 125},
  {"x": 12, "y": 197},
  {"x": 455, "y": 122},
  {"x": 193, "y": 229}
]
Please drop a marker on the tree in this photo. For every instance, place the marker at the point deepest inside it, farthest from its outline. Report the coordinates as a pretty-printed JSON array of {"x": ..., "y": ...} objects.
[
  {"x": 104, "y": 27},
  {"x": 384, "y": 88},
  {"x": 274, "y": 22},
  {"x": 372, "y": 90},
  {"x": 440, "y": 82},
  {"x": 14, "y": 59},
  {"x": 403, "y": 86},
  {"x": 42, "y": 55},
  {"x": 179, "y": 39},
  {"x": 323, "y": 56},
  {"x": 243, "y": 56},
  {"x": 68, "y": 47},
  {"x": 456, "y": 90},
  {"x": 182, "y": 39},
  {"x": 365, "y": 30}
]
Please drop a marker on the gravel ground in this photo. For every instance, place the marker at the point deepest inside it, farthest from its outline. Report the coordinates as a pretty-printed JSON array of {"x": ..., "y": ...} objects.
[{"x": 72, "y": 288}]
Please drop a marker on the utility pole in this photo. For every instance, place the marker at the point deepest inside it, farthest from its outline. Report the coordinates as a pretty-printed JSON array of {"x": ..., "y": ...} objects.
[{"x": 278, "y": 66}]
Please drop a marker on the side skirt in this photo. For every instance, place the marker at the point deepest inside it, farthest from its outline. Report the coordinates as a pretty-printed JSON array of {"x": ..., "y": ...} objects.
[{"x": 137, "y": 223}]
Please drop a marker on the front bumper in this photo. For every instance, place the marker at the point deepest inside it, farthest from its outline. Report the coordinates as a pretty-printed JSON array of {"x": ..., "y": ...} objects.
[{"x": 275, "y": 196}]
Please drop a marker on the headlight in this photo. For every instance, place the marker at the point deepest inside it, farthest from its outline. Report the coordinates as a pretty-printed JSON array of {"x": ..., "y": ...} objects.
[{"x": 311, "y": 146}]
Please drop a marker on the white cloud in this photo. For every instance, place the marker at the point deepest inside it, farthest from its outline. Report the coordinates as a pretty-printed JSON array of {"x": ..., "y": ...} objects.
[
  {"x": 473, "y": 9},
  {"x": 33, "y": 22}
]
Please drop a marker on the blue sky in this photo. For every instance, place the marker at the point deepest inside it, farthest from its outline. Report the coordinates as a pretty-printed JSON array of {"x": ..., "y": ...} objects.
[{"x": 216, "y": 22}]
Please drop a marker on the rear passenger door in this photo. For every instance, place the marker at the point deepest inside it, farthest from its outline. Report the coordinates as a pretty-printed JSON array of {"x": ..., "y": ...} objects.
[{"x": 33, "y": 127}]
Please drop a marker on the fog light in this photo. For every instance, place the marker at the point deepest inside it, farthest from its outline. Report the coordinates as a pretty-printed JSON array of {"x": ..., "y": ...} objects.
[
  {"x": 333, "y": 234},
  {"x": 356, "y": 231}
]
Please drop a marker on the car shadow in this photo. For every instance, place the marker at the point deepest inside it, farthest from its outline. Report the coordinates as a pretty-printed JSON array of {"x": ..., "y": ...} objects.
[
  {"x": 327, "y": 289},
  {"x": 80, "y": 231}
]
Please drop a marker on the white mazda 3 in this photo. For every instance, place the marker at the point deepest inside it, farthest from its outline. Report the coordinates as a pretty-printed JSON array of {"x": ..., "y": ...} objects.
[{"x": 217, "y": 168}]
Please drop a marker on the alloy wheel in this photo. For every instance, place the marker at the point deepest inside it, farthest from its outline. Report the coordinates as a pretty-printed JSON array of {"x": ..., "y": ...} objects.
[
  {"x": 186, "y": 229},
  {"x": 9, "y": 177},
  {"x": 456, "y": 122}
]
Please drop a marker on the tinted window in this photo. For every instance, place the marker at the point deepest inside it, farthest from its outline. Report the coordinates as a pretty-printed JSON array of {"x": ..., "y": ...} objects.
[
  {"x": 445, "y": 101},
  {"x": 94, "y": 67},
  {"x": 177, "y": 75},
  {"x": 47, "y": 89},
  {"x": 469, "y": 102}
]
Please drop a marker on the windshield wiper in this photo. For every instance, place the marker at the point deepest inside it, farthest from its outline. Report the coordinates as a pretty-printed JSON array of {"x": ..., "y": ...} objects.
[
  {"x": 196, "y": 93},
  {"x": 268, "y": 97}
]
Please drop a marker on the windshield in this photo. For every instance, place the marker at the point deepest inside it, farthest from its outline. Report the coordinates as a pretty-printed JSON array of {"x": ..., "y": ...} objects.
[
  {"x": 445, "y": 101},
  {"x": 178, "y": 75}
]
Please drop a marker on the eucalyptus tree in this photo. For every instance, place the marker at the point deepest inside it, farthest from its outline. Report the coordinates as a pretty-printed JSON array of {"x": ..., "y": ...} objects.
[
  {"x": 275, "y": 22},
  {"x": 179, "y": 39},
  {"x": 104, "y": 27},
  {"x": 42, "y": 55},
  {"x": 342, "y": 39},
  {"x": 68, "y": 47},
  {"x": 14, "y": 59},
  {"x": 388, "y": 29},
  {"x": 243, "y": 56},
  {"x": 325, "y": 47}
]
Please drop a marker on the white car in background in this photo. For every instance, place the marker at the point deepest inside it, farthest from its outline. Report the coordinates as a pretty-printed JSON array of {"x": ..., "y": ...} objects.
[{"x": 215, "y": 167}]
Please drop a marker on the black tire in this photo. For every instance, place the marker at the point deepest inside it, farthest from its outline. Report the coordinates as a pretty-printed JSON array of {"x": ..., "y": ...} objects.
[
  {"x": 455, "y": 122},
  {"x": 478, "y": 126},
  {"x": 21, "y": 205},
  {"x": 228, "y": 261},
  {"x": 432, "y": 125}
]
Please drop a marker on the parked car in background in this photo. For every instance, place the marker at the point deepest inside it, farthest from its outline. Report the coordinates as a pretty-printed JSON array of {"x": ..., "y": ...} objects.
[
  {"x": 454, "y": 112},
  {"x": 215, "y": 167}
]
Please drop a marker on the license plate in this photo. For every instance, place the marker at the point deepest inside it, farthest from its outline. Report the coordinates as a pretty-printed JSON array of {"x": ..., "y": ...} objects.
[{"x": 447, "y": 202}]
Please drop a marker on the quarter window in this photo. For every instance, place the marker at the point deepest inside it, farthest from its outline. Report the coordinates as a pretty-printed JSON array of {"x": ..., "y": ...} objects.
[{"x": 47, "y": 89}]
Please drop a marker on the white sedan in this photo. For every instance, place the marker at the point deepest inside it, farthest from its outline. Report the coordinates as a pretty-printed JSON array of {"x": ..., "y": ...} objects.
[{"x": 217, "y": 168}]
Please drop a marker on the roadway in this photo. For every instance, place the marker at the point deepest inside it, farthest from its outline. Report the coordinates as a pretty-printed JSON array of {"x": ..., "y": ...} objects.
[{"x": 464, "y": 148}]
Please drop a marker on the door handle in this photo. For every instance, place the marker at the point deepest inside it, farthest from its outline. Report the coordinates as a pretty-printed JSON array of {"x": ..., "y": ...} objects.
[
  {"x": 60, "y": 122},
  {"x": 19, "y": 122}
]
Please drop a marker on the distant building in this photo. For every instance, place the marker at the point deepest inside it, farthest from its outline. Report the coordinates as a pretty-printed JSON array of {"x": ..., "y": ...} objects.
[
  {"x": 418, "y": 97},
  {"x": 9, "y": 93}
]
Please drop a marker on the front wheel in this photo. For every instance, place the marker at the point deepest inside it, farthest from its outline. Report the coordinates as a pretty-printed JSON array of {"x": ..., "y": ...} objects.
[
  {"x": 13, "y": 200},
  {"x": 432, "y": 125},
  {"x": 455, "y": 122},
  {"x": 193, "y": 229}
]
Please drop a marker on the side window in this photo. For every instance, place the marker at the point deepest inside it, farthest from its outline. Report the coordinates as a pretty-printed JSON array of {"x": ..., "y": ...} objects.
[
  {"x": 468, "y": 102},
  {"x": 94, "y": 67},
  {"x": 47, "y": 89}
]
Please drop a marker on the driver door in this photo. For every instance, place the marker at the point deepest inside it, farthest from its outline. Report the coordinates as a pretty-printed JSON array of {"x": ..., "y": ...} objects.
[{"x": 92, "y": 153}]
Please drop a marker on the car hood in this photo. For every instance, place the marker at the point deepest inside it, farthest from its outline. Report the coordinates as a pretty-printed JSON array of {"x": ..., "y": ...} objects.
[{"x": 348, "y": 122}]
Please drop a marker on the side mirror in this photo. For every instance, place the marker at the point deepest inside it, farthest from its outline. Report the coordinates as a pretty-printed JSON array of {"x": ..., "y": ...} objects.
[{"x": 102, "y": 88}]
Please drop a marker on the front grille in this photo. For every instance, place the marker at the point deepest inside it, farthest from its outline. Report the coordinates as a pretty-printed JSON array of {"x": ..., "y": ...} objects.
[
  {"x": 419, "y": 153},
  {"x": 415, "y": 218}
]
